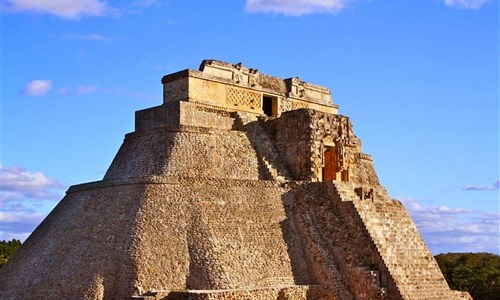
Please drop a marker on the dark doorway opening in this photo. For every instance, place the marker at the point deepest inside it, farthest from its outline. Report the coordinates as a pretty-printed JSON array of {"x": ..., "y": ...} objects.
[{"x": 269, "y": 106}]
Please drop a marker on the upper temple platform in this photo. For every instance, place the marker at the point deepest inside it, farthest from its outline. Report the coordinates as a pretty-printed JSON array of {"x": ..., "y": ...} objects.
[{"x": 235, "y": 87}]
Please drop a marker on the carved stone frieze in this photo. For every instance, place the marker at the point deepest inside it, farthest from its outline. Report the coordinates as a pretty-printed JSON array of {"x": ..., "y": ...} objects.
[
  {"x": 298, "y": 105},
  {"x": 242, "y": 98},
  {"x": 285, "y": 105},
  {"x": 245, "y": 76}
]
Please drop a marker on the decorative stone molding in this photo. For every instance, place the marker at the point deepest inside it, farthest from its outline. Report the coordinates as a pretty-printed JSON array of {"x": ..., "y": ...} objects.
[{"x": 237, "y": 73}]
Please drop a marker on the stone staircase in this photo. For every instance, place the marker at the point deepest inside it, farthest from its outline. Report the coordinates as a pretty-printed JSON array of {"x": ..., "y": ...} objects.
[
  {"x": 370, "y": 281},
  {"x": 270, "y": 171},
  {"x": 272, "y": 165},
  {"x": 350, "y": 279},
  {"x": 350, "y": 192},
  {"x": 326, "y": 254},
  {"x": 241, "y": 119},
  {"x": 397, "y": 241},
  {"x": 357, "y": 269},
  {"x": 345, "y": 191}
]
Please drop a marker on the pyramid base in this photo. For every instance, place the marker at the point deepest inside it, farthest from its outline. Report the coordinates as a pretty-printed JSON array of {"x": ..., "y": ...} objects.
[{"x": 295, "y": 292}]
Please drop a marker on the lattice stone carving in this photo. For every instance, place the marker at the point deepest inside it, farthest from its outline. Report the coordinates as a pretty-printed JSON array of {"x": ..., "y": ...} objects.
[
  {"x": 298, "y": 105},
  {"x": 243, "y": 99},
  {"x": 285, "y": 105}
]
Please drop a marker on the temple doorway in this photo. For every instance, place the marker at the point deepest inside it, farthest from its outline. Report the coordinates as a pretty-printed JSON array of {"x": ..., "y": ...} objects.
[
  {"x": 330, "y": 164},
  {"x": 270, "y": 106}
]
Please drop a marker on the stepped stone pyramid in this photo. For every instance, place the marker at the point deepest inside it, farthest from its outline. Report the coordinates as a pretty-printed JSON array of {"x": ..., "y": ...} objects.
[{"x": 240, "y": 185}]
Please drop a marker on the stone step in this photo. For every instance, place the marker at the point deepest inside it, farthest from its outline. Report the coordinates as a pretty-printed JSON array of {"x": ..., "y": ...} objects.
[
  {"x": 266, "y": 150},
  {"x": 275, "y": 175}
]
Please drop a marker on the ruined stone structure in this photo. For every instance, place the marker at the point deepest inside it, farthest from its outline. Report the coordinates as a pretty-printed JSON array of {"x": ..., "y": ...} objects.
[{"x": 239, "y": 186}]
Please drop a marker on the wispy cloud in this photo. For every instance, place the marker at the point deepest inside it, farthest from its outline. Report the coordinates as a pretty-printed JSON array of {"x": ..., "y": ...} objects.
[
  {"x": 22, "y": 195},
  {"x": 22, "y": 219},
  {"x": 88, "y": 89},
  {"x": 79, "y": 90},
  {"x": 494, "y": 187},
  {"x": 92, "y": 88},
  {"x": 37, "y": 87},
  {"x": 296, "y": 7},
  {"x": 89, "y": 37},
  {"x": 465, "y": 4},
  {"x": 68, "y": 9},
  {"x": 145, "y": 3},
  {"x": 145, "y": 96},
  {"x": 447, "y": 229}
]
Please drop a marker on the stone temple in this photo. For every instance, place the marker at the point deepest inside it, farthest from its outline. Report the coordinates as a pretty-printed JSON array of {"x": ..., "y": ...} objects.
[{"x": 240, "y": 185}]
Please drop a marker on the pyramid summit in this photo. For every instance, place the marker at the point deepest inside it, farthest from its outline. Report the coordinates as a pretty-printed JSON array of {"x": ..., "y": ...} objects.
[{"x": 240, "y": 185}]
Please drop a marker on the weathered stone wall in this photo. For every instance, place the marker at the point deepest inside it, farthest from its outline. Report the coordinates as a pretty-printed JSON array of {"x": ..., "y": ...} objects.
[
  {"x": 175, "y": 114},
  {"x": 202, "y": 115},
  {"x": 276, "y": 293},
  {"x": 190, "y": 151},
  {"x": 300, "y": 137},
  {"x": 293, "y": 142},
  {"x": 165, "y": 115},
  {"x": 221, "y": 234},
  {"x": 363, "y": 169}
]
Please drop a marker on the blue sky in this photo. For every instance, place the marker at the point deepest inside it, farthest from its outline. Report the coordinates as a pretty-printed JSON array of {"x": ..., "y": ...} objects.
[{"x": 419, "y": 79}]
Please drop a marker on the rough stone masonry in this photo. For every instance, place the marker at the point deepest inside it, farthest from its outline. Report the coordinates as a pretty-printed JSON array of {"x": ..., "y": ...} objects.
[{"x": 239, "y": 186}]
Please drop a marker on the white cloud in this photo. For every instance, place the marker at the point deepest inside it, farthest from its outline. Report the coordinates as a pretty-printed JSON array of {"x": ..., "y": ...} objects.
[
  {"x": 32, "y": 218},
  {"x": 467, "y": 4},
  {"x": 37, "y": 87},
  {"x": 89, "y": 37},
  {"x": 447, "y": 229},
  {"x": 495, "y": 186},
  {"x": 12, "y": 196},
  {"x": 15, "y": 179},
  {"x": 69, "y": 9},
  {"x": 296, "y": 7},
  {"x": 19, "y": 224}
]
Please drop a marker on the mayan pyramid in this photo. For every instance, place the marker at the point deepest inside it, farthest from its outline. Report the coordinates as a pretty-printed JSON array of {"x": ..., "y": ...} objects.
[{"x": 240, "y": 185}]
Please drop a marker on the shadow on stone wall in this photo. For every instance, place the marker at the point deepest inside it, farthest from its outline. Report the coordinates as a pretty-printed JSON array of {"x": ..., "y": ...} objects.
[{"x": 270, "y": 165}]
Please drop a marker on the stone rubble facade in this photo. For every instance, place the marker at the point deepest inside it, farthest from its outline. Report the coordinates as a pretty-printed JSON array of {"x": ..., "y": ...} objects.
[{"x": 239, "y": 186}]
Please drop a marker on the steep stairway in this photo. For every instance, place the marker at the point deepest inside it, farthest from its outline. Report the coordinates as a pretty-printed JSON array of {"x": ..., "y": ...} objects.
[
  {"x": 271, "y": 163},
  {"x": 397, "y": 241},
  {"x": 348, "y": 262}
]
